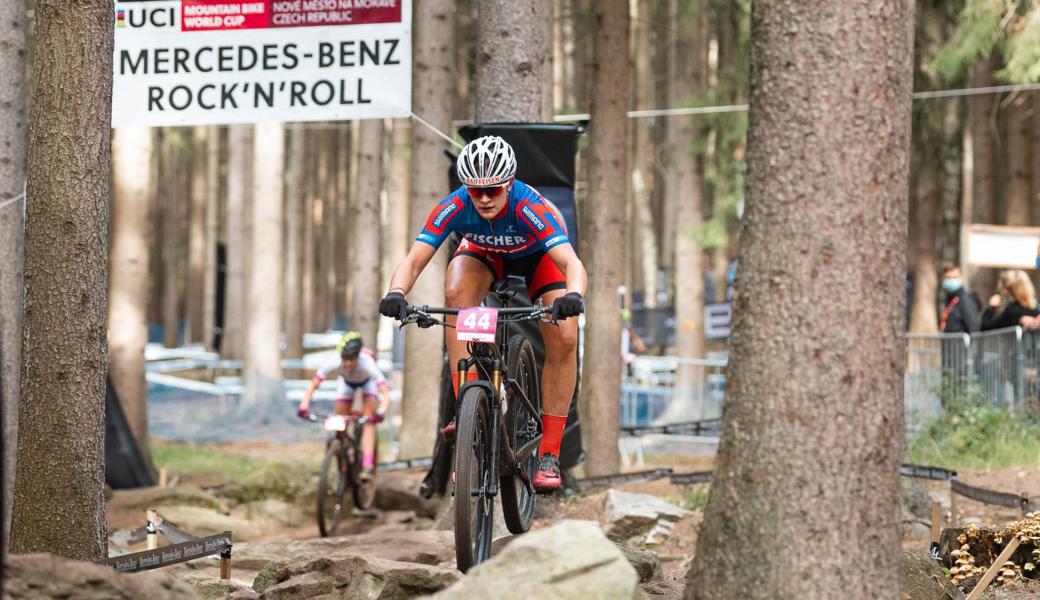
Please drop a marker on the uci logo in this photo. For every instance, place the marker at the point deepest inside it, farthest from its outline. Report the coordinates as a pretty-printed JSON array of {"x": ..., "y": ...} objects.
[{"x": 151, "y": 18}]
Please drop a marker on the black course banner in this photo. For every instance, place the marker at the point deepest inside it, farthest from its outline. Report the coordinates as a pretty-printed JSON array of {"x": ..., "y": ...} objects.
[{"x": 169, "y": 555}]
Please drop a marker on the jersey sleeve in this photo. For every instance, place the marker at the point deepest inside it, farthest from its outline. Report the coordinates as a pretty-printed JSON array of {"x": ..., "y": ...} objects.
[
  {"x": 329, "y": 369},
  {"x": 371, "y": 368},
  {"x": 542, "y": 221},
  {"x": 441, "y": 221}
]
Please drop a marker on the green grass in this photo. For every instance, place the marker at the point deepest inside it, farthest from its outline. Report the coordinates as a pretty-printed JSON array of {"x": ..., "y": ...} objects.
[
  {"x": 974, "y": 437},
  {"x": 695, "y": 497},
  {"x": 187, "y": 459}
]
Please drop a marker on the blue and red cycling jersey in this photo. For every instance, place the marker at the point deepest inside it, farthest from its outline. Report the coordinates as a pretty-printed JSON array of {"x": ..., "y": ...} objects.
[{"x": 527, "y": 224}]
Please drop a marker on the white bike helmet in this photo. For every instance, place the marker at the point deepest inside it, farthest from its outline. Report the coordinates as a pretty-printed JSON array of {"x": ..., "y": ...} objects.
[{"x": 486, "y": 161}]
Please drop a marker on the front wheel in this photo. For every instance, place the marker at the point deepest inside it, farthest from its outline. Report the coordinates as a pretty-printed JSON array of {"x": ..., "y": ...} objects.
[
  {"x": 332, "y": 484},
  {"x": 521, "y": 429},
  {"x": 473, "y": 507},
  {"x": 364, "y": 492}
]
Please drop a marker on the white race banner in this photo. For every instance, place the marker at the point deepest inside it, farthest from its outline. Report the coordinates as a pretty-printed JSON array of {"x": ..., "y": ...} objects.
[{"x": 210, "y": 62}]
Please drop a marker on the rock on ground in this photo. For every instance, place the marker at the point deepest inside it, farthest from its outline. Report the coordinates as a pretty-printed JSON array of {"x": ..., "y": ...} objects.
[
  {"x": 42, "y": 576},
  {"x": 271, "y": 513},
  {"x": 628, "y": 514},
  {"x": 922, "y": 578},
  {"x": 201, "y": 522},
  {"x": 569, "y": 560},
  {"x": 355, "y": 577},
  {"x": 402, "y": 493}
]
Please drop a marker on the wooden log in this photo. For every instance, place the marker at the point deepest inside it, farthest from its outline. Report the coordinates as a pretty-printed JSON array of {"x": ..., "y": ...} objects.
[{"x": 995, "y": 568}]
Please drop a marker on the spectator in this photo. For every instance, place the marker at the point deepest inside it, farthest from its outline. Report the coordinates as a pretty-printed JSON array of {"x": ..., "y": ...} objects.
[
  {"x": 1014, "y": 305},
  {"x": 961, "y": 314}
]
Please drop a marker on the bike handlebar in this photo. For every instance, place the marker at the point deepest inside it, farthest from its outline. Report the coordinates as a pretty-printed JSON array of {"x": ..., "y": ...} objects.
[{"x": 532, "y": 311}]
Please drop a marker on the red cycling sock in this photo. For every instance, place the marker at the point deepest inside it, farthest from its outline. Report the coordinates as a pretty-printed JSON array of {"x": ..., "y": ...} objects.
[
  {"x": 471, "y": 375},
  {"x": 552, "y": 433}
]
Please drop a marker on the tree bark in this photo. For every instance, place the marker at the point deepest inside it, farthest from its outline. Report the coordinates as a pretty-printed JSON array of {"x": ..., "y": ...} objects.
[
  {"x": 982, "y": 116},
  {"x": 12, "y": 178},
  {"x": 366, "y": 237},
  {"x": 294, "y": 217},
  {"x": 263, "y": 368},
  {"x": 171, "y": 202},
  {"x": 335, "y": 203},
  {"x": 1019, "y": 162},
  {"x": 235, "y": 299},
  {"x": 686, "y": 194},
  {"x": 813, "y": 430},
  {"x": 345, "y": 197},
  {"x": 433, "y": 63},
  {"x": 511, "y": 51},
  {"x": 399, "y": 187},
  {"x": 197, "y": 237},
  {"x": 309, "y": 232},
  {"x": 643, "y": 152},
  {"x": 128, "y": 276},
  {"x": 673, "y": 130},
  {"x": 211, "y": 232},
  {"x": 59, "y": 504},
  {"x": 608, "y": 146}
]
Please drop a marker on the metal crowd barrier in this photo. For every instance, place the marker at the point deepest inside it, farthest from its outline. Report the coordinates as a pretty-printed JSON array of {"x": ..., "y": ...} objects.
[{"x": 999, "y": 368}]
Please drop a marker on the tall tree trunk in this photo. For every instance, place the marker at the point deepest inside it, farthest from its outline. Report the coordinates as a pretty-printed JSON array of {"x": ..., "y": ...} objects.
[
  {"x": 172, "y": 200},
  {"x": 59, "y": 503},
  {"x": 263, "y": 368},
  {"x": 333, "y": 226},
  {"x": 643, "y": 159},
  {"x": 323, "y": 226},
  {"x": 813, "y": 459},
  {"x": 12, "y": 178},
  {"x": 510, "y": 74},
  {"x": 345, "y": 197},
  {"x": 155, "y": 199},
  {"x": 235, "y": 298},
  {"x": 197, "y": 237},
  {"x": 211, "y": 235},
  {"x": 687, "y": 193},
  {"x": 128, "y": 276},
  {"x": 1019, "y": 162},
  {"x": 399, "y": 186},
  {"x": 309, "y": 232},
  {"x": 365, "y": 233},
  {"x": 982, "y": 116},
  {"x": 294, "y": 226},
  {"x": 673, "y": 130},
  {"x": 608, "y": 170},
  {"x": 434, "y": 59}
]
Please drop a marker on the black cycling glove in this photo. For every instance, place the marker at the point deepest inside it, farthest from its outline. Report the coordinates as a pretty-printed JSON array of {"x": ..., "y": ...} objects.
[
  {"x": 568, "y": 305},
  {"x": 393, "y": 305}
]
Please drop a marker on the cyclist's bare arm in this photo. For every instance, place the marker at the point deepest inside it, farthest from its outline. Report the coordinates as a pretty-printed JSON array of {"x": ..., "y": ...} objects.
[
  {"x": 571, "y": 266},
  {"x": 306, "y": 402},
  {"x": 411, "y": 266}
]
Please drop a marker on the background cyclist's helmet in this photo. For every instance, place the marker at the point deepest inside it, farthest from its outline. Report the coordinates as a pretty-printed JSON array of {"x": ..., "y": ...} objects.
[
  {"x": 350, "y": 345},
  {"x": 486, "y": 161}
]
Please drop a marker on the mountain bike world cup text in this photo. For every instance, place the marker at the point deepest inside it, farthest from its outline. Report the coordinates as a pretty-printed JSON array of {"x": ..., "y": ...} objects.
[{"x": 197, "y": 62}]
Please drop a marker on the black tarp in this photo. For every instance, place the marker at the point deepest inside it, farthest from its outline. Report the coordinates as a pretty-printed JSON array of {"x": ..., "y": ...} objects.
[
  {"x": 125, "y": 467},
  {"x": 545, "y": 155}
]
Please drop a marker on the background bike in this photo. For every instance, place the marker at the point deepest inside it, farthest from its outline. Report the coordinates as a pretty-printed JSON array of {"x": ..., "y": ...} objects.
[
  {"x": 340, "y": 469},
  {"x": 499, "y": 423}
]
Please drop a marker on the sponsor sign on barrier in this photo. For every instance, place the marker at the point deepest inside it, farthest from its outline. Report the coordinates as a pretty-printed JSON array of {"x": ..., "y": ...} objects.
[
  {"x": 210, "y": 62},
  {"x": 169, "y": 555}
]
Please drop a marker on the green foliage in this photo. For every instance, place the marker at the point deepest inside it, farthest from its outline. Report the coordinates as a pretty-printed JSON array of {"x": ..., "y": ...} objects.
[
  {"x": 187, "y": 459},
  {"x": 695, "y": 497},
  {"x": 971, "y": 435},
  {"x": 1023, "y": 51},
  {"x": 979, "y": 27}
]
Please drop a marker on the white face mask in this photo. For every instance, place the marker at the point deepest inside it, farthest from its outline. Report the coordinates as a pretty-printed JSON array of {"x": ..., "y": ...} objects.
[{"x": 951, "y": 285}]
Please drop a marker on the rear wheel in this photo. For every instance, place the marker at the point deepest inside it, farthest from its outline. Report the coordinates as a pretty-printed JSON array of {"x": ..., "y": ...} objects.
[
  {"x": 332, "y": 483},
  {"x": 521, "y": 427},
  {"x": 473, "y": 508}
]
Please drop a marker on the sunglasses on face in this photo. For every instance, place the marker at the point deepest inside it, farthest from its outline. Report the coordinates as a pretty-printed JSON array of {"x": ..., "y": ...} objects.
[{"x": 490, "y": 192}]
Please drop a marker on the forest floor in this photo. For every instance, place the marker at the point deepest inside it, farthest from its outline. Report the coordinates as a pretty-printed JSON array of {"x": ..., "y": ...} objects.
[{"x": 216, "y": 468}]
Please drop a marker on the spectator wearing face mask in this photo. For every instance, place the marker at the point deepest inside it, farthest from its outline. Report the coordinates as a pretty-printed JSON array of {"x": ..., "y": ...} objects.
[
  {"x": 961, "y": 312},
  {"x": 1014, "y": 305}
]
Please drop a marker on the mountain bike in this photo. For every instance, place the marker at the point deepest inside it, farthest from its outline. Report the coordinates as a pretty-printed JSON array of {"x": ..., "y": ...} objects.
[
  {"x": 499, "y": 422},
  {"x": 340, "y": 469}
]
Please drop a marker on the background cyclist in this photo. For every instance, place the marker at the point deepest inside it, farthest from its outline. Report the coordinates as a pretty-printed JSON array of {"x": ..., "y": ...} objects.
[
  {"x": 354, "y": 369},
  {"x": 507, "y": 228}
]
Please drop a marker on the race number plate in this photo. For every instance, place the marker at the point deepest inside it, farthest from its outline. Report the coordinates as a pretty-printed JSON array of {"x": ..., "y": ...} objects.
[
  {"x": 335, "y": 423},
  {"x": 477, "y": 325}
]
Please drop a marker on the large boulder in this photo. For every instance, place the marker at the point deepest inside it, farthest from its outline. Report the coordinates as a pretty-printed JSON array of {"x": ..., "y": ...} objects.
[
  {"x": 922, "y": 578},
  {"x": 402, "y": 494},
  {"x": 629, "y": 514},
  {"x": 219, "y": 589},
  {"x": 271, "y": 513},
  {"x": 572, "y": 559},
  {"x": 646, "y": 563},
  {"x": 354, "y": 577},
  {"x": 201, "y": 522},
  {"x": 42, "y": 576}
]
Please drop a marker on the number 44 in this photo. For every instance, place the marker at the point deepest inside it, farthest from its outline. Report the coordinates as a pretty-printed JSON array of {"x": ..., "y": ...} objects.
[{"x": 472, "y": 322}]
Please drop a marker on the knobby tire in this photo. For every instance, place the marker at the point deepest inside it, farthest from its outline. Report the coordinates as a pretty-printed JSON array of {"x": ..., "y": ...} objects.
[{"x": 473, "y": 515}]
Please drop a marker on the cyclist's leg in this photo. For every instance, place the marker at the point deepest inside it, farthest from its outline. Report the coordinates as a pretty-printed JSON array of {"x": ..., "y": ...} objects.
[
  {"x": 370, "y": 399},
  {"x": 469, "y": 277},
  {"x": 344, "y": 397}
]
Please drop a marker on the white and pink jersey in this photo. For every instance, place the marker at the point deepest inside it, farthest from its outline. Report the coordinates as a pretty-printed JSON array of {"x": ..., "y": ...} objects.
[{"x": 365, "y": 375}]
